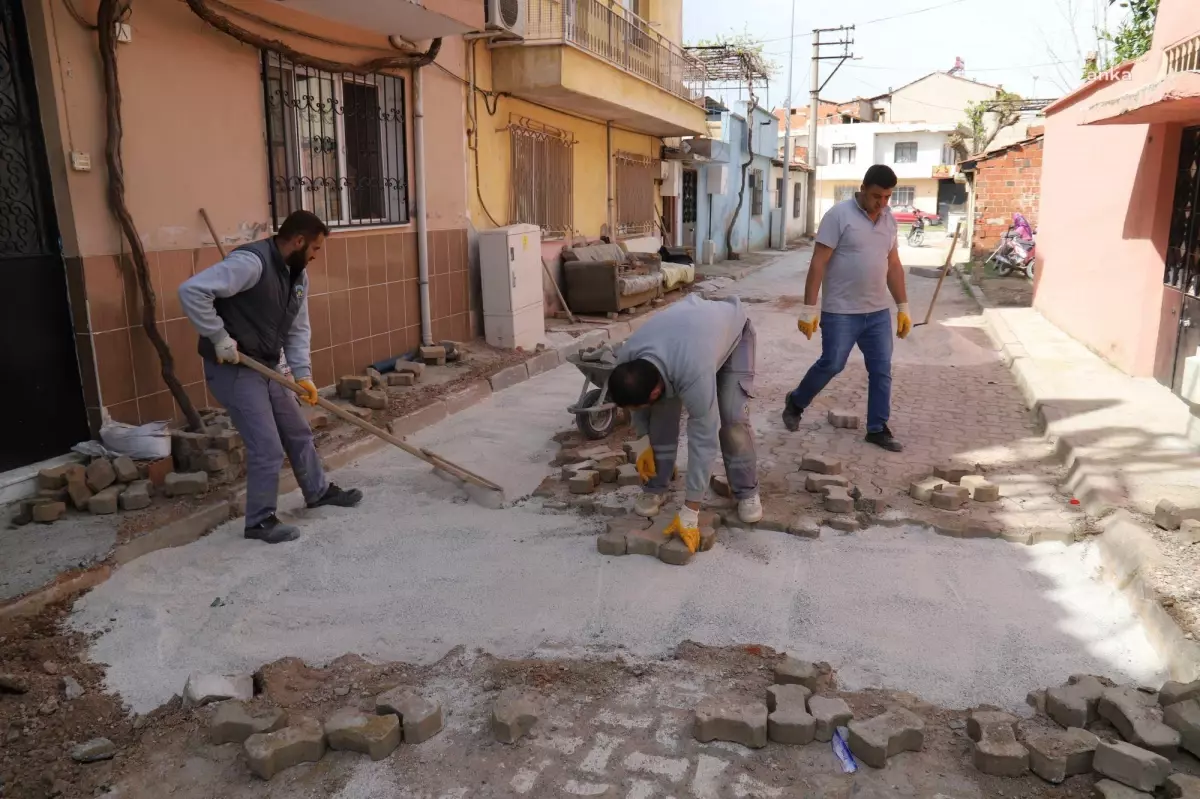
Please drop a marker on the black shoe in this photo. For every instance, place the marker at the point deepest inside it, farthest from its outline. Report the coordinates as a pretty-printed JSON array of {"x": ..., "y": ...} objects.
[
  {"x": 272, "y": 531},
  {"x": 884, "y": 439},
  {"x": 791, "y": 416},
  {"x": 338, "y": 497}
]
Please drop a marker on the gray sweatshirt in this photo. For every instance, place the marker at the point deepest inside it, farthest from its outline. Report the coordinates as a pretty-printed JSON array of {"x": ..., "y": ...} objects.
[
  {"x": 688, "y": 343},
  {"x": 237, "y": 273}
]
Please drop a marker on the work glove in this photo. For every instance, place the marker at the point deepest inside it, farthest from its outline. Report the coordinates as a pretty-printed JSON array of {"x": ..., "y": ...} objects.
[
  {"x": 903, "y": 322},
  {"x": 310, "y": 395},
  {"x": 810, "y": 316},
  {"x": 645, "y": 465},
  {"x": 227, "y": 350},
  {"x": 686, "y": 525}
]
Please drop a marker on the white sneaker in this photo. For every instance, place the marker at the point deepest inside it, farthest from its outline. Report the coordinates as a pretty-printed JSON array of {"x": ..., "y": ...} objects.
[
  {"x": 648, "y": 505},
  {"x": 750, "y": 510}
]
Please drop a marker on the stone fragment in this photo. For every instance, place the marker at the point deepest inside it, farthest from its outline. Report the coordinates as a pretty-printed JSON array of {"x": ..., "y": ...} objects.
[
  {"x": 1108, "y": 789},
  {"x": 584, "y": 482},
  {"x": 736, "y": 721},
  {"x": 47, "y": 512},
  {"x": 821, "y": 464},
  {"x": 829, "y": 713},
  {"x": 105, "y": 502},
  {"x": 950, "y": 497},
  {"x": 1136, "y": 716},
  {"x": 136, "y": 496},
  {"x": 233, "y": 723},
  {"x": 1183, "y": 786},
  {"x": 371, "y": 398},
  {"x": 420, "y": 717},
  {"x": 980, "y": 488},
  {"x": 611, "y": 544},
  {"x": 1189, "y": 532},
  {"x": 627, "y": 475},
  {"x": 791, "y": 725},
  {"x": 922, "y": 490},
  {"x": 719, "y": 485},
  {"x": 873, "y": 741},
  {"x": 1131, "y": 765},
  {"x": 57, "y": 476},
  {"x": 792, "y": 671},
  {"x": 181, "y": 484},
  {"x": 818, "y": 483},
  {"x": 125, "y": 469},
  {"x": 100, "y": 474},
  {"x": 434, "y": 356},
  {"x": 844, "y": 420},
  {"x": 674, "y": 552},
  {"x": 1074, "y": 705},
  {"x": 952, "y": 472},
  {"x": 94, "y": 751},
  {"x": 513, "y": 716},
  {"x": 401, "y": 379},
  {"x": 838, "y": 500},
  {"x": 1184, "y": 718},
  {"x": 980, "y": 721},
  {"x": 375, "y": 736},
  {"x": 349, "y": 386},
  {"x": 1173, "y": 692},
  {"x": 201, "y": 689},
  {"x": 271, "y": 752},
  {"x": 1170, "y": 516},
  {"x": 415, "y": 368},
  {"x": 78, "y": 491},
  {"x": 1055, "y": 755},
  {"x": 72, "y": 690},
  {"x": 844, "y": 524},
  {"x": 997, "y": 752},
  {"x": 783, "y": 696}
]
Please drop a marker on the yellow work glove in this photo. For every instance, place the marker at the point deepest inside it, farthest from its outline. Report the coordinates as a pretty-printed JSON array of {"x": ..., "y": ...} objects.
[
  {"x": 903, "y": 322},
  {"x": 310, "y": 394},
  {"x": 810, "y": 316},
  {"x": 645, "y": 464},
  {"x": 686, "y": 525}
]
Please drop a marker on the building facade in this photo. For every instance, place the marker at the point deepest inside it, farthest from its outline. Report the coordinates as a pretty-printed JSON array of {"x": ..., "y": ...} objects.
[{"x": 1003, "y": 182}]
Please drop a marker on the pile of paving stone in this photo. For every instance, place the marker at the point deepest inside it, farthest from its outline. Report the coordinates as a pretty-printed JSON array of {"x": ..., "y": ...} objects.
[
  {"x": 273, "y": 741},
  {"x": 953, "y": 486},
  {"x": 1073, "y": 733},
  {"x": 218, "y": 453},
  {"x": 370, "y": 390},
  {"x": 597, "y": 466},
  {"x": 635, "y": 535}
]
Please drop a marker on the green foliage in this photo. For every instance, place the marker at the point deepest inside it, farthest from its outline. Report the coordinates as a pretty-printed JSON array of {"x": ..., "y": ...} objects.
[
  {"x": 985, "y": 120},
  {"x": 747, "y": 47},
  {"x": 1132, "y": 40}
]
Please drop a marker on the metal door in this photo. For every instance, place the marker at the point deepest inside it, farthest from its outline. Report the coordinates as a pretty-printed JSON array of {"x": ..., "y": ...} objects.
[
  {"x": 42, "y": 403},
  {"x": 1183, "y": 252},
  {"x": 689, "y": 208}
]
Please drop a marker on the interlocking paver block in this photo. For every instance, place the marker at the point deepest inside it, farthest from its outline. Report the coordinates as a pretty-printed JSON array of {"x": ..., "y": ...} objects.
[
  {"x": 732, "y": 720},
  {"x": 820, "y": 483},
  {"x": 873, "y": 741},
  {"x": 627, "y": 475},
  {"x": 1136, "y": 716},
  {"x": 408, "y": 378},
  {"x": 1183, "y": 786},
  {"x": 126, "y": 469},
  {"x": 674, "y": 552},
  {"x": 845, "y": 420},
  {"x": 640, "y": 541},
  {"x": 1131, "y": 765},
  {"x": 792, "y": 671},
  {"x": 371, "y": 398},
  {"x": 997, "y": 752},
  {"x": 136, "y": 496},
  {"x": 100, "y": 474},
  {"x": 950, "y": 497},
  {"x": 952, "y": 472},
  {"x": 584, "y": 482},
  {"x": 838, "y": 500},
  {"x": 233, "y": 723},
  {"x": 787, "y": 696},
  {"x": 611, "y": 544},
  {"x": 1184, "y": 718},
  {"x": 1173, "y": 692},
  {"x": 47, "y": 512},
  {"x": 922, "y": 490},
  {"x": 980, "y": 720},
  {"x": 980, "y": 488},
  {"x": 349, "y": 386},
  {"x": 791, "y": 725},
  {"x": 1074, "y": 705},
  {"x": 271, "y": 752},
  {"x": 420, "y": 717},
  {"x": 821, "y": 464},
  {"x": 1055, "y": 754},
  {"x": 201, "y": 689},
  {"x": 1110, "y": 789},
  {"x": 179, "y": 484},
  {"x": 608, "y": 469},
  {"x": 513, "y": 715},
  {"x": 830, "y": 713}
]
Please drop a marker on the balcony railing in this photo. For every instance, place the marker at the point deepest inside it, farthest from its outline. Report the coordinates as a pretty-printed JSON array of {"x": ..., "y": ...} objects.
[
  {"x": 1183, "y": 57},
  {"x": 619, "y": 37}
]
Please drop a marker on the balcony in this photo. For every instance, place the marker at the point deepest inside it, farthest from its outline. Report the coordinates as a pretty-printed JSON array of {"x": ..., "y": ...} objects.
[
  {"x": 414, "y": 20},
  {"x": 1183, "y": 57},
  {"x": 596, "y": 59}
]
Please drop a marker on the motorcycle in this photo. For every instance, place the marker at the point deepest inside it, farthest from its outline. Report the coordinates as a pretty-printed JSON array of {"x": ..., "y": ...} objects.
[
  {"x": 1016, "y": 251},
  {"x": 916, "y": 233}
]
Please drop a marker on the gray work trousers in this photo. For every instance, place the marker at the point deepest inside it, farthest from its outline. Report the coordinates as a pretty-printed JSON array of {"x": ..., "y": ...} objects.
[
  {"x": 268, "y": 417},
  {"x": 735, "y": 388}
]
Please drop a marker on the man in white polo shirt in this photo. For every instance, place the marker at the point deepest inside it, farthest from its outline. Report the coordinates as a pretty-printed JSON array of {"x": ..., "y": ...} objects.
[{"x": 856, "y": 263}]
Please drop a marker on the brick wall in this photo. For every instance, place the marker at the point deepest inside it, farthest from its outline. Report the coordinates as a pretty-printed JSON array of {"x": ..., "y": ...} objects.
[{"x": 1004, "y": 185}]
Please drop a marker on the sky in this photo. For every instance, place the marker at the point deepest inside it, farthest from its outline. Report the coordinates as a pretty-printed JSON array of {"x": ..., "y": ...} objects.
[{"x": 1032, "y": 47}]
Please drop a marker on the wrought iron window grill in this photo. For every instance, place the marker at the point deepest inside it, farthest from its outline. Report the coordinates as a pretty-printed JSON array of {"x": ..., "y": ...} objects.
[{"x": 542, "y": 186}]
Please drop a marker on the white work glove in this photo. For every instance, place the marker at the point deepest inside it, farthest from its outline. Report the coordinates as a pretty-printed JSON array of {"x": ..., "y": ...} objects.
[
  {"x": 226, "y": 350},
  {"x": 810, "y": 315}
]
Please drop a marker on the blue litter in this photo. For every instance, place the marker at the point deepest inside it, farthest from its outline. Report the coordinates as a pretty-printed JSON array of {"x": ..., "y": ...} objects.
[{"x": 842, "y": 749}]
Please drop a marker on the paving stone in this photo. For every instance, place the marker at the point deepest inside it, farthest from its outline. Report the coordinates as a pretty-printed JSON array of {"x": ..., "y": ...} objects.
[
  {"x": 950, "y": 497},
  {"x": 226, "y": 441},
  {"x": 645, "y": 541},
  {"x": 1183, "y": 786},
  {"x": 790, "y": 695},
  {"x": 421, "y": 718},
  {"x": 611, "y": 544},
  {"x": 136, "y": 496},
  {"x": 845, "y": 420},
  {"x": 1173, "y": 692},
  {"x": 434, "y": 356},
  {"x": 813, "y": 676},
  {"x": 180, "y": 484},
  {"x": 998, "y": 753},
  {"x": 1184, "y": 718},
  {"x": 627, "y": 475},
  {"x": 1037, "y": 701},
  {"x": 57, "y": 476},
  {"x": 979, "y": 721},
  {"x": 838, "y": 500},
  {"x": 572, "y": 469},
  {"x": 72, "y": 690},
  {"x": 47, "y": 512},
  {"x": 608, "y": 469},
  {"x": 513, "y": 715},
  {"x": 126, "y": 470},
  {"x": 818, "y": 483},
  {"x": 105, "y": 502},
  {"x": 584, "y": 482},
  {"x": 829, "y": 713},
  {"x": 94, "y": 751},
  {"x": 821, "y": 464},
  {"x": 201, "y": 689},
  {"x": 1189, "y": 532},
  {"x": 923, "y": 489},
  {"x": 791, "y": 725},
  {"x": 733, "y": 720},
  {"x": 1055, "y": 755},
  {"x": 1136, "y": 716},
  {"x": 980, "y": 488},
  {"x": 233, "y": 723},
  {"x": 78, "y": 491},
  {"x": 100, "y": 474},
  {"x": 1131, "y": 765},
  {"x": 1108, "y": 789},
  {"x": 674, "y": 552},
  {"x": 352, "y": 731},
  {"x": 1075, "y": 705},
  {"x": 804, "y": 527},
  {"x": 271, "y": 752},
  {"x": 844, "y": 524},
  {"x": 214, "y": 460},
  {"x": 412, "y": 367},
  {"x": 952, "y": 472},
  {"x": 719, "y": 485},
  {"x": 874, "y": 504},
  {"x": 873, "y": 741},
  {"x": 371, "y": 398},
  {"x": 349, "y": 386},
  {"x": 395, "y": 379}
]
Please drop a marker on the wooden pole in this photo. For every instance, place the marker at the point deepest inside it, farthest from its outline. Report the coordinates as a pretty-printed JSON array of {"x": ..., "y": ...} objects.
[
  {"x": 213, "y": 231},
  {"x": 945, "y": 270}
]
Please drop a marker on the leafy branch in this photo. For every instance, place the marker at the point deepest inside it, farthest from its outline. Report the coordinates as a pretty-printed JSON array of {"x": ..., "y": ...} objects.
[{"x": 1133, "y": 39}]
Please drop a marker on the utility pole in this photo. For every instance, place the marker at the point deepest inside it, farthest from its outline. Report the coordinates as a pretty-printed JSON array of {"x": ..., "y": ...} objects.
[
  {"x": 845, "y": 42},
  {"x": 786, "y": 204}
]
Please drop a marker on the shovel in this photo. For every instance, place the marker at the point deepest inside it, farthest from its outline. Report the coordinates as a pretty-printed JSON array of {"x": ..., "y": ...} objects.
[{"x": 945, "y": 270}]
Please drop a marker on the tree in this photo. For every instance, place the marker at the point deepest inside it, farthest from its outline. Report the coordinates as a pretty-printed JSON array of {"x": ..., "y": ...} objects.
[
  {"x": 985, "y": 121},
  {"x": 748, "y": 49},
  {"x": 1132, "y": 40}
]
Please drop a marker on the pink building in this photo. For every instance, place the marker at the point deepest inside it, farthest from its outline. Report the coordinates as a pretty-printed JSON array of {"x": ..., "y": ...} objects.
[{"x": 1119, "y": 243}]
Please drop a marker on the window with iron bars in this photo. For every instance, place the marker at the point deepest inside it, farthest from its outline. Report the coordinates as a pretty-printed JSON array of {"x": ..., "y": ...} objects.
[
  {"x": 635, "y": 194},
  {"x": 336, "y": 144},
  {"x": 756, "y": 192},
  {"x": 542, "y": 187}
]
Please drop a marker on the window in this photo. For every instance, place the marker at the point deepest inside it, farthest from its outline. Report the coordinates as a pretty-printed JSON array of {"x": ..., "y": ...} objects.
[
  {"x": 843, "y": 193},
  {"x": 756, "y": 192},
  {"x": 903, "y": 196},
  {"x": 844, "y": 153},
  {"x": 336, "y": 145},
  {"x": 948, "y": 154},
  {"x": 542, "y": 182},
  {"x": 778, "y": 192},
  {"x": 635, "y": 194},
  {"x": 906, "y": 152},
  {"x": 796, "y": 199}
]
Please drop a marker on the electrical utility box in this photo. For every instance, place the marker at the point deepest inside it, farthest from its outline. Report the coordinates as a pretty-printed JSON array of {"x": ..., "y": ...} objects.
[{"x": 510, "y": 266}]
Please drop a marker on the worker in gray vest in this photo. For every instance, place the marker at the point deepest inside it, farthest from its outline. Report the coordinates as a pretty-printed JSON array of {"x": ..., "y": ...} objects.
[{"x": 255, "y": 302}]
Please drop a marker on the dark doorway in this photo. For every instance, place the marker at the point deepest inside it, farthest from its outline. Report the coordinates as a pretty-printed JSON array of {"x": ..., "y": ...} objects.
[
  {"x": 1182, "y": 272},
  {"x": 952, "y": 198},
  {"x": 43, "y": 402},
  {"x": 689, "y": 208}
]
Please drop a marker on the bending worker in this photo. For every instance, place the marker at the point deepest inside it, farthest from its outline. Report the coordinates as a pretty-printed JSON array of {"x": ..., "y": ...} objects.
[
  {"x": 699, "y": 355},
  {"x": 256, "y": 301}
]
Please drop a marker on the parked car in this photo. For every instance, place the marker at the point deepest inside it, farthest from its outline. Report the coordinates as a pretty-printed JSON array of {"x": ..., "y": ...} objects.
[{"x": 906, "y": 215}]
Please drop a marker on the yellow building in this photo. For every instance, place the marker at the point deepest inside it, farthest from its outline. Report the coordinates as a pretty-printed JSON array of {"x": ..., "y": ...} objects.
[{"x": 567, "y": 126}]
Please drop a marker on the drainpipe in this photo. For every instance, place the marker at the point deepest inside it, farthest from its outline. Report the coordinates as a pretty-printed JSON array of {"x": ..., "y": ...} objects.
[
  {"x": 612, "y": 227},
  {"x": 422, "y": 219}
]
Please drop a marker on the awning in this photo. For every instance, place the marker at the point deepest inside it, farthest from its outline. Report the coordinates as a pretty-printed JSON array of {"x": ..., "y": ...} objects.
[{"x": 1175, "y": 98}]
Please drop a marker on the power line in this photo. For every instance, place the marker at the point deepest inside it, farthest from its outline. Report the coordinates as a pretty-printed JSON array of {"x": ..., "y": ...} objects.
[
  {"x": 871, "y": 21},
  {"x": 976, "y": 69}
]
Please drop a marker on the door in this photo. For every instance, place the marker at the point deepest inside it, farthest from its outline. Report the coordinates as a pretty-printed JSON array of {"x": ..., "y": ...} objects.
[
  {"x": 1182, "y": 272},
  {"x": 689, "y": 208},
  {"x": 952, "y": 198},
  {"x": 43, "y": 402}
]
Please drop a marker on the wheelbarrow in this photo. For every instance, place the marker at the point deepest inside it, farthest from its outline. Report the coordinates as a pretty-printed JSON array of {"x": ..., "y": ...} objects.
[{"x": 595, "y": 415}]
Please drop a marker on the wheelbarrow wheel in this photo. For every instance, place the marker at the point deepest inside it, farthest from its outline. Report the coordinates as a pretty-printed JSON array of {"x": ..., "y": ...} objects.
[{"x": 595, "y": 424}]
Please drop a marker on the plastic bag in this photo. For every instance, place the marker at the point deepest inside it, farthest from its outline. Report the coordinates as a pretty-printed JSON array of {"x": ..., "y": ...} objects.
[{"x": 143, "y": 442}]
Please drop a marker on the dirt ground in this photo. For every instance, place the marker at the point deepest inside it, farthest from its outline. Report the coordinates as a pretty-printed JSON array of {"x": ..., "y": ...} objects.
[{"x": 1014, "y": 291}]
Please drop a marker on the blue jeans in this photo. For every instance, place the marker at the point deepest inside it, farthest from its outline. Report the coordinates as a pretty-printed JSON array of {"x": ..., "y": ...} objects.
[{"x": 872, "y": 332}]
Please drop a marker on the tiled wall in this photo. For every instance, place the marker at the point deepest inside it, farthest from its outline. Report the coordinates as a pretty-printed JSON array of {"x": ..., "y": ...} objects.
[{"x": 363, "y": 303}]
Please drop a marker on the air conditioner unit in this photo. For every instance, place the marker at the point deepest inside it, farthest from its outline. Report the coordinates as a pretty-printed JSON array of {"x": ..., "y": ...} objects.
[{"x": 507, "y": 15}]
